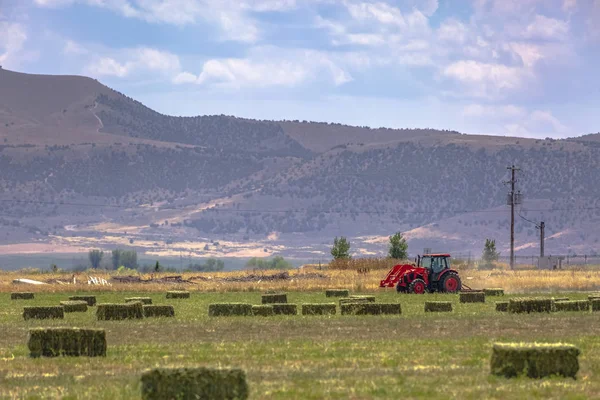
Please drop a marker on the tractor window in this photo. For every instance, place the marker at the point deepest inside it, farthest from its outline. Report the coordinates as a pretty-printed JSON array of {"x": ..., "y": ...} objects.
[
  {"x": 426, "y": 262},
  {"x": 437, "y": 264}
]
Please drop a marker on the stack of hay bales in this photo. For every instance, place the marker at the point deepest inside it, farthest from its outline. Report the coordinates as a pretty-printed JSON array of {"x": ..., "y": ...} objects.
[
  {"x": 229, "y": 309},
  {"x": 438, "y": 306},
  {"x": 319, "y": 309},
  {"x": 337, "y": 293},
  {"x": 534, "y": 360},
  {"x": 573, "y": 305},
  {"x": 285, "y": 309},
  {"x": 143, "y": 300},
  {"x": 472, "y": 297},
  {"x": 158, "y": 311},
  {"x": 117, "y": 312},
  {"x": 369, "y": 298},
  {"x": 263, "y": 310},
  {"x": 494, "y": 292},
  {"x": 502, "y": 306},
  {"x": 74, "y": 306},
  {"x": 274, "y": 298},
  {"x": 178, "y": 294},
  {"x": 53, "y": 312},
  {"x": 352, "y": 300},
  {"x": 371, "y": 309},
  {"x": 194, "y": 383},
  {"x": 54, "y": 342},
  {"x": 529, "y": 305},
  {"x": 90, "y": 300},
  {"x": 21, "y": 296}
]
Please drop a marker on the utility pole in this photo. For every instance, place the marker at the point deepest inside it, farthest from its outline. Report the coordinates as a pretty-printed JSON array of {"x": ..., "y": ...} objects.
[
  {"x": 542, "y": 234},
  {"x": 513, "y": 199}
]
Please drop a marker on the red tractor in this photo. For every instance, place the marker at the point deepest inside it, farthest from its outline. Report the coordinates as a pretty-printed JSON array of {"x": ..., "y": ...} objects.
[{"x": 432, "y": 273}]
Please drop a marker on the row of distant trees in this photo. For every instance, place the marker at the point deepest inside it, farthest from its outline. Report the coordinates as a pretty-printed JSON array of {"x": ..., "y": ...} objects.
[{"x": 397, "y": 248}]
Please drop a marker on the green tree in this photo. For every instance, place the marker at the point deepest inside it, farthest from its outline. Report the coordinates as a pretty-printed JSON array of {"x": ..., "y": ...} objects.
[
  {"x": 95, "y": 257},
  {"x": 398, "y": 247},
  {"x": 125, "y": 258},
  {"x": 210, "y": 265},
  {"x": 341, "y": 248},
  {"x": 490, "y": 255},
  {"x": 277, "y": 262},
  {"x": 157, "y": 267}
]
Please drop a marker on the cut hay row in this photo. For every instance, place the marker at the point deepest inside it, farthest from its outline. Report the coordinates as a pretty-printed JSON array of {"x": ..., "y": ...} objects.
[
  {"x": 529, "y": 305},
  {"x": 534, "y": 360},
  {"x": 158, "y": 311},
  {"x": 54, "y": 342},
  {"x": 143, "y": 300},
  {"x": 194, "y": 383},
  {"x": 573, "y": 305},
  {"x": 90, "y": 300},
  {"x": 74, "y": 306},
  {"x": 52, "y": 312},
  {"x": 178, "y": 294},
  {"x": 21, "y": 296},
  {"x": 319, "y": 309},
  {"x": 229, "y": 309},
  {"x": 371, "y": 309},
  {"x": 337, "y": 293},
  {"x": 278, "y": 298},
  {"x": 472, "y": 297},
  {"x": 438, "y": 306},
  {"x": 118, "y": 312}
]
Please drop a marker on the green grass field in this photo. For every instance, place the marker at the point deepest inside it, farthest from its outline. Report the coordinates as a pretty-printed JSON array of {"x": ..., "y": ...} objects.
[{"x": 415, "y": 355}]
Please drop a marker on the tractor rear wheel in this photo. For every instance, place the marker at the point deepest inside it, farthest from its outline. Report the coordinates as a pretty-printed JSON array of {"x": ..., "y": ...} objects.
[
  {"x": 417, "y": 286},
  {"x": 450, "y": 283}
]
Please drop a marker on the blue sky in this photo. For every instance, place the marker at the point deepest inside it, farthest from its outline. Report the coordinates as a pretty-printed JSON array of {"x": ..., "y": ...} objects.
[{"x": 502, "y": 67}]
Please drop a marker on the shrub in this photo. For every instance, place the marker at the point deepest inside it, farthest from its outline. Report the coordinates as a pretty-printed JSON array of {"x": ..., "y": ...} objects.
[
  {"x": 595, "y": 304},
  {"x": 573, "y": 305},
  {"x": 143, "y": 300},
  {"x": 178, "y": 294},
  {"x": 502, "y": 306},
  {"x": 472, "y": 297},
  {"x": 55, "y": 312},
  {"x": 529, "y": 305},
  {"x": 337, "y": 293},
  {"x": 74, "y": 306},
  {"x": 285, "y": 309},
  {"x": 117, "y": 312},
  {"x": 158, "y": 311},
  {"x": 21, "y": 296},
  {"x": 278, "y": 298},
  {"x": 494, "y": 292},
  {"x": 194, "y": 383},
  {"x": 262, "y": 310},
  {"x": 371, "y": 309},
  {"x": 229, "y": 309},
  {"x": 91, "y": 300},
  {"x": 534, "y": 360},
  {"x": 438, "y": 306},
  {"x": 54, "y": 342},
  {"x": 319, "y": 309}
]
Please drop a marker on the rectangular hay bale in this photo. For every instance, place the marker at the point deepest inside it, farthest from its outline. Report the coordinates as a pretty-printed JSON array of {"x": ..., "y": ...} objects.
[
  {"x": 158, "y": 311},
  {"x": 438, "y": 306},
  {"x": 529, "y": 305},
  {"x": 337, "y": 293},
  {"x": 53, "y": 312},
  {"x": 285, "y": 309},
  {"x": 494, "y": 292},
  {"x": 143, "y": 300},
  {"x": 272, "y": 298},
  {"x": 229, "y": 309},
  {"x": 319, "y": 309},
  {"x": 119, "y": 312},
  {"x": 91, "y": 300},
  {"x": 595, "y": 304},
  {"x": 21, "y": 296},
  {"x": 502, "y": 306},
  {"x": 560, "y": 299},
  {"x": 178, "y": 294},
  {"x": 368, "y": 298},
  {"x": 194, "y": 383},
  {"x": 471, "y": 297},
  {"x": 349, "y": 300},
  {"x": 263, "y": 310},
  {"x": 74, "y": 306},
  {"x": 74, "y": 342},
  {"x": 371, "y": 309},
  {"x": 573, "y": 305},
  {"x": 534, "y": 360}
]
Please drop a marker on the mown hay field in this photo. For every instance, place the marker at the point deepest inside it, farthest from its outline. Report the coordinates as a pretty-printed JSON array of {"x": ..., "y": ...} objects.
[{"x": 412, "y": 355}]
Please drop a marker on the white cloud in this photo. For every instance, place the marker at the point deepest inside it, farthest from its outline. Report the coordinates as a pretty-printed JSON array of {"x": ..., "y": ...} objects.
[
  {"x": 498, "y": 112},
  {"x": 569, "y": 5},
  {"x": 378, "y": 12},
  {"x": 106, "y": 66},
  {"x": 140, "y": 59},
  {"x": 72, "y": 47},
  {"x": 546, "y": 28},
  {"x": 452, "y": 30},
  {"x": 12, "y": 39},
  {"x": 484, "y": 79},
  {"x": 185, "y": 77}
]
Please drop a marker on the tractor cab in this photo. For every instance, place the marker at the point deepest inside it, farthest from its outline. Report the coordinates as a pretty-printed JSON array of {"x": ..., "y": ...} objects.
[
  {"x": 435, "y": 264},
  {"x": 429, "y": 273}
]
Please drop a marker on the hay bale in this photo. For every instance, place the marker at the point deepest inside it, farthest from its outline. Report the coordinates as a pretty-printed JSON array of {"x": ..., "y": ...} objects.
[
  {"x": 472, "y": 297},
  {"x": 90, "y": 300},
  {"x": 54, "y": 312},
  {"x": 349, "y": 300},
  {"x": 502, "y": 306},
  {"x": 194, "y": 383},
  {"x": 143, "y": 300},
  {"x": 595, "y": 304},
  {"x": 529, "y": 305},
  {"x": 119, "y": 312},
  {"x": 337, "y": 293},
  {"x": 560, "y": 299},
  {"x": 368, "y": 298},
  {"x": 229, "y": 309},
  {"x": 573, "y": 305},
  {"x": 438, "y": 306},
  {"x": 158, "y": 311},
  {"x": 594, "y": 297},
  {"x": 318, "y": 309},
  {"x": 263, "y": 310},
  {"x": 74, "y": 306},
  {"x": 21, "y": 296},
  {"x": 534, "y": 360},
  {"x": 178, "y": 294},
  {"x": 285, "y": 309},
  {"x": 274, "y": 298},
  {"x": 494, "y": 292},
  {"x": 54, "y": 342},
  {"x": 371, "y": 309}
]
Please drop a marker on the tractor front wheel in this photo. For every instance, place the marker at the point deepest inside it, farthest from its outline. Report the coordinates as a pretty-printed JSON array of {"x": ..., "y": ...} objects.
[
  {"x": 417, "y": 286},
  {"x": 451, "y": 283}
]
